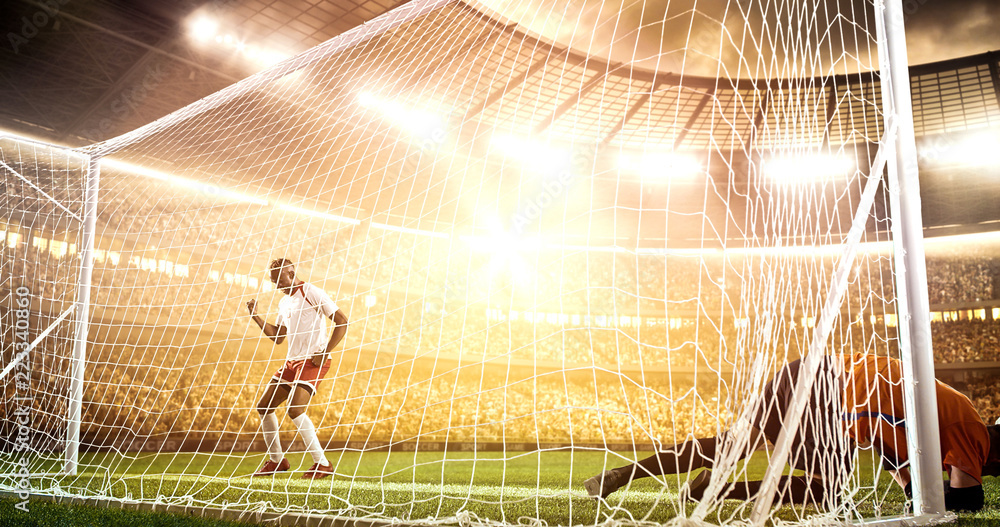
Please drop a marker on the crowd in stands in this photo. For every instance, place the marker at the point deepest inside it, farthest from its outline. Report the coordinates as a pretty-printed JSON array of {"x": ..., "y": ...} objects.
[
  {"x": 983, "y": 393},
  {"x": 967, "y": 278},
  {"x": 200, "y": 390},
  {"x": 374, "y": 399},
  {"x": 371, "y": 399},
  {"x": 966, "y": 341}
]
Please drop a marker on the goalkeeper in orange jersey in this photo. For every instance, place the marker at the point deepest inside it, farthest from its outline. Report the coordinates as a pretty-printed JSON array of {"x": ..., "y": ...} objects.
[
  {"x": 860, "y": 399},
  {"x": 301, "y": 318}
]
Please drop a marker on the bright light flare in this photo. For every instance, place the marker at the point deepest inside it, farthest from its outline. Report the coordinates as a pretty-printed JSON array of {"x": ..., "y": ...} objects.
[
  {"x": 408, "y": 230},
  {"x": 506, "y": 259},
  {"x": 414, "y": 120},
  {"x": 318, "y": 214},
  {"x": 188, "y": 184},
  {"x": 806, "y": 168},
  {"x": 267, "y": 58},
  {"x": 506, "y": 250},
  {"x": 204, "y": 28},
  {"x": 534, "y": 154},
  {"x": 660, "y": 166},
  {"x": 976, "y": 150}
]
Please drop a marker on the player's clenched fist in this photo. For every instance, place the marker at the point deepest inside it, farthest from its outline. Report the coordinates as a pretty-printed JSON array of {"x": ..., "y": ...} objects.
[{"x": 252, "y": 307}]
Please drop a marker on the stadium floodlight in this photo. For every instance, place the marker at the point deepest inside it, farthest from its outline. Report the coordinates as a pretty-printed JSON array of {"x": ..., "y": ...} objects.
[
  {"x": 204, "y": 28},
  {"x": 792, "y": 169},
  {"x": 661, "y": 166},
  {"x": 513, "y": 265},
  {"x": 439, "y": 411}
]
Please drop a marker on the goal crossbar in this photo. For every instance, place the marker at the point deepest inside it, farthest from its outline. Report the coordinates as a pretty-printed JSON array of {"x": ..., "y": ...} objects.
[{"x": 365, "y": 32}]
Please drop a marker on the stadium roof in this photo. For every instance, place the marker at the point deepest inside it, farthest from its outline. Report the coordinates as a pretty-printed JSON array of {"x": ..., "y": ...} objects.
[{"x": 101, "y": 68}]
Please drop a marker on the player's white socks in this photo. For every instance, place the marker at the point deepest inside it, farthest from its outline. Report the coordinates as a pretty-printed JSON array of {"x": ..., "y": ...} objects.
[
  {"x": 308, "y": 433},
  {"x": 269, "y": 424}
]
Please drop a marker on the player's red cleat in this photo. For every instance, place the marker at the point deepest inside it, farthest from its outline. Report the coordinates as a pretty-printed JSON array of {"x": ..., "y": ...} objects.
[
  {"x": 271, "y": 468},
  {"x": 318, "y": 471}
]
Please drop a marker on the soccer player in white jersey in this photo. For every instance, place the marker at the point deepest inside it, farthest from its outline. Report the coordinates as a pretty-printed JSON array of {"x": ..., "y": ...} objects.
[{"x": 302, "y": 318}]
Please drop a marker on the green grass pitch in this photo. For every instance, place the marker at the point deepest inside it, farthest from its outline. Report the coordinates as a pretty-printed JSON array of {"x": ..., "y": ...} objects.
[{"x": 502, "y": 487}]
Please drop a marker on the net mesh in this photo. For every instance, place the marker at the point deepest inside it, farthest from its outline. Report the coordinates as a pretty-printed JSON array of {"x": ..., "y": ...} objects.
[{"x": 552, "y": 262}]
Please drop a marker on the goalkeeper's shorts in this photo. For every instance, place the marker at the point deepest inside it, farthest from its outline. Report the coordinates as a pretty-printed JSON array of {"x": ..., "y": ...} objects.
[{"x": 302, "y": 373}]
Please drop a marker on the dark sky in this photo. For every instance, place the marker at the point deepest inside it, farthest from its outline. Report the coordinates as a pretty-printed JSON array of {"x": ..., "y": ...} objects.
[
  {"x": 944, "y": 29},
  {"x": 713, "y": 37}
]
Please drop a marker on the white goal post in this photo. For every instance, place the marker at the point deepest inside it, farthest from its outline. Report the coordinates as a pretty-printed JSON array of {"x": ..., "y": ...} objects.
[
  {"x": 907, "y": 225},
  {"x": 82, "y": 308}
]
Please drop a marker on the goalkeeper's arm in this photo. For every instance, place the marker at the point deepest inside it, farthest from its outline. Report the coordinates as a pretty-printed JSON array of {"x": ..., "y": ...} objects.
[{"x": 275, "y": 333}]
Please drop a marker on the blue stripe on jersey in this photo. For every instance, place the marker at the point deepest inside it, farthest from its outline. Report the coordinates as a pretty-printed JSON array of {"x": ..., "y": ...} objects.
[{"x": 891, "y": 419}]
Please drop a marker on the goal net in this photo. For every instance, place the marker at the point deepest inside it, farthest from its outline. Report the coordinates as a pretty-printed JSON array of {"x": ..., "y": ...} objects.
[
  {"x": 42, "y": 199},
  {"x": 560, "y": 248}
]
